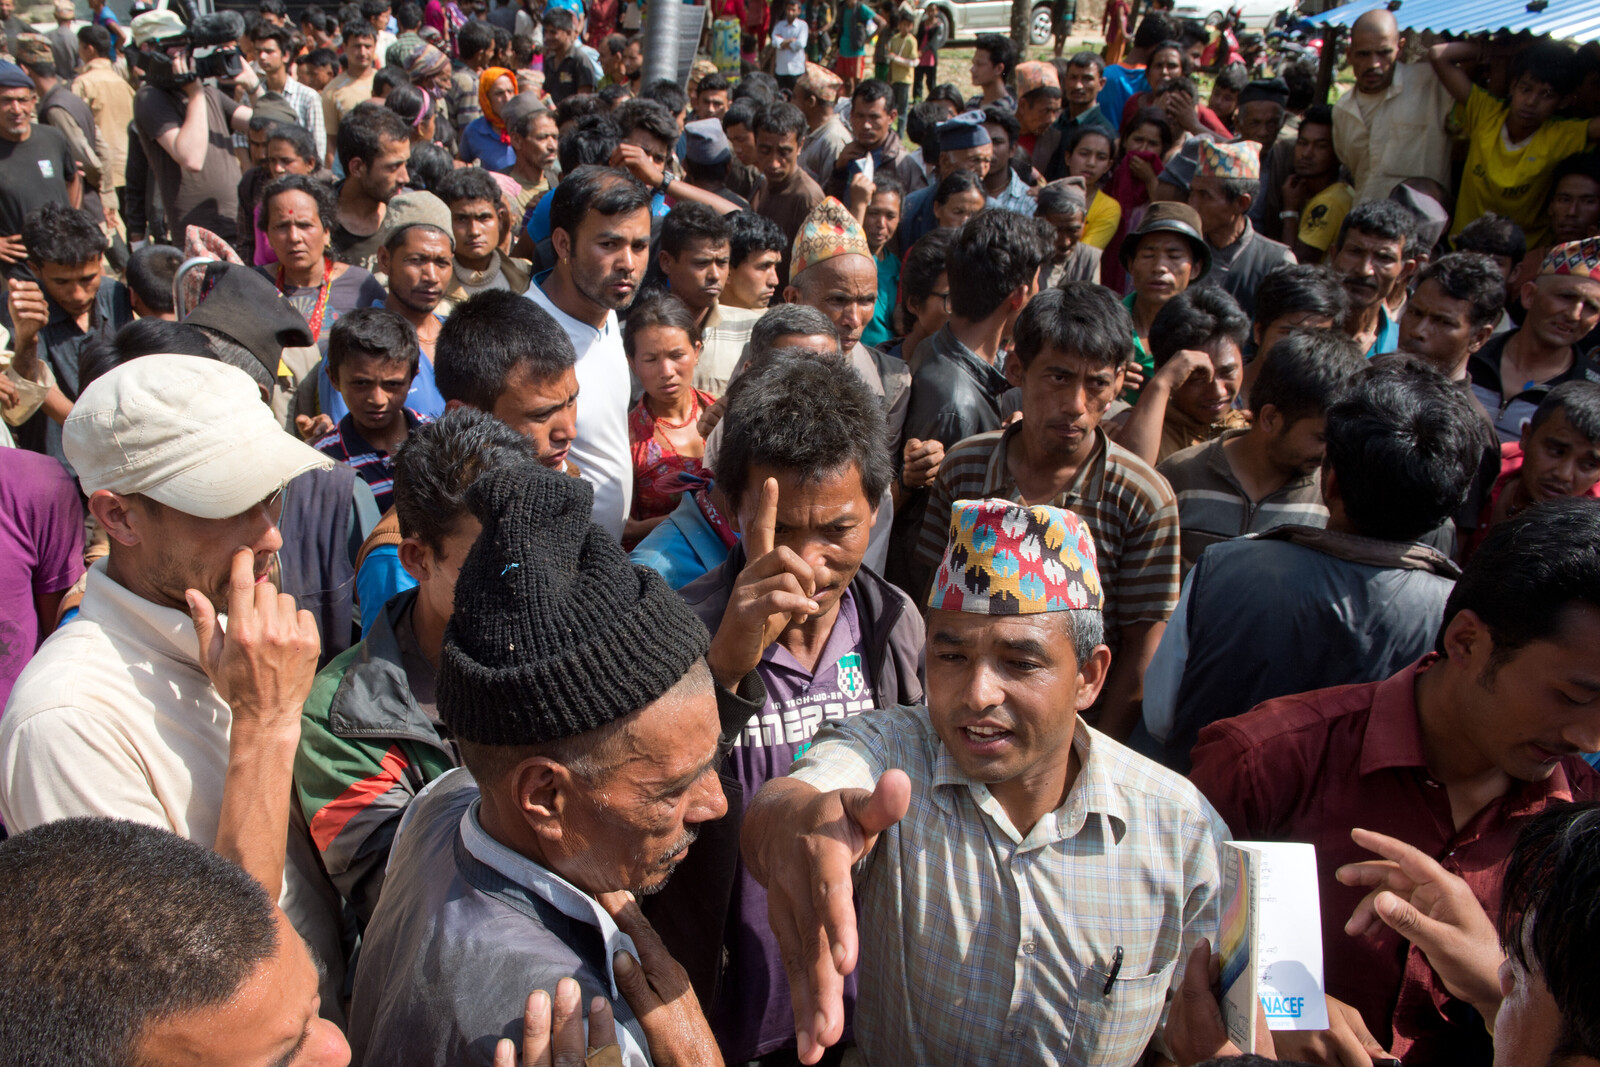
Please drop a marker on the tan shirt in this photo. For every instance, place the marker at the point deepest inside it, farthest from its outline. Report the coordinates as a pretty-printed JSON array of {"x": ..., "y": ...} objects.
[
  {"x": 723, "y": 340},
  {"x": 110, "y": 97},
  {"x": 114, "y": 717},
  {"x": 1398, "y": 134},
  {"x": 339, "y": 96}
]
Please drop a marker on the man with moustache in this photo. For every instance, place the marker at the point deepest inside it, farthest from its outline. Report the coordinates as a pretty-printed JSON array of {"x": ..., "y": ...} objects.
[
  {"x": 416, "y": 256},
  {"x": 600, "y": 232},
  {"x": 1375, "y": 252}
]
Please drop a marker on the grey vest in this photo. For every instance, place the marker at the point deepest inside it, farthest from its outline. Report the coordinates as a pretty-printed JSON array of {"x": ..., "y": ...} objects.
[{"x": 314, "y": 561}]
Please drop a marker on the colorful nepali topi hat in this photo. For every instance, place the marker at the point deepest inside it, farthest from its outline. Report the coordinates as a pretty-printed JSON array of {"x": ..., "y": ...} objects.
[
  {"x": 1034, "y": 75},
  {"x": 1239, "y": 160},
  {"x": 1010, "y": 559},
  {"x": 830, "y": 230},
  {"x": 1580, "y": 258},
  {"x": 821, "y": 81}
]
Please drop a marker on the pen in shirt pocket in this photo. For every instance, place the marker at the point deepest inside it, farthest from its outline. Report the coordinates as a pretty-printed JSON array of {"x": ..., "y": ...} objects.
[{"x": 1116, "y": 969}]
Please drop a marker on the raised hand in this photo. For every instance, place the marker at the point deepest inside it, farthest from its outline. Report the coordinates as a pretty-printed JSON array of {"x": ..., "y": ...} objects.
[
  {"x": 773, "y": 591},
  {"x": 922, "y": 459}
]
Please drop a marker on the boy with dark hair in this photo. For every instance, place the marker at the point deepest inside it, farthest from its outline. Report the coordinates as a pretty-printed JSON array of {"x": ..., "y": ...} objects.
[
  {"x": 1402, "y": 450},
  {"x": 711, "y": 97},
  {"x": 1225, "y": 90},
  {"x": 477, "y": 215},
  {"x": 789, "y": 193},
  {"x": 1069, "y": 344},
  {"x": 756, "y": 246},
  {"x": 372, "y": 358},
  {"x": 1458, "y": 299},
  {"x": 369, "y": 740},
  {"x": 1196, "y": 342},
  {"x": 1268, "y": 475},
  {"x": 993, "y": 59},
  {"x": 1558, "y": 456},
  {"x": 694, "y": 256},
  {"x": 151, "y": 271},
  {"x": 1515, "y": 144}
]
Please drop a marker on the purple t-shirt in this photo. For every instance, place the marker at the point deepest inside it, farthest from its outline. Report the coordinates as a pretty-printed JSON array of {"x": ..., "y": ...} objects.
[
  {"x": 41, "y": 551},
  {"x": 752, "y": 1016}
]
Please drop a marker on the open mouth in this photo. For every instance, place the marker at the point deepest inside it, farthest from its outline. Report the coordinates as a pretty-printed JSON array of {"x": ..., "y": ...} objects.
[{"x": 985, "y": 740}]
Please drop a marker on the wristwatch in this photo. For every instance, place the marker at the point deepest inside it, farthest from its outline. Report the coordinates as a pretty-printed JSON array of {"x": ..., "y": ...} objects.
[{"x": 666, "y": 183}]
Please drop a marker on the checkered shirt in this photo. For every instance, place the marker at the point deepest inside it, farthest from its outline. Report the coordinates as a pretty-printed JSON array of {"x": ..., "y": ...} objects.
[{"x": 983, "y": 945}]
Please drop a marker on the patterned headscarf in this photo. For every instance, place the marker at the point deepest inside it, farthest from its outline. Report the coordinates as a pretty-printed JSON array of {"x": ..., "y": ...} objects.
[
  {"x": 1010, "y": 559},
  {"x": 486, "y": 82},
  {"x": 426, "y": 61}
]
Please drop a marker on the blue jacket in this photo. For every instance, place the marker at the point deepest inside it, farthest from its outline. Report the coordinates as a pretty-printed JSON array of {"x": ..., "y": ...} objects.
[{"x": 683, "y": 546}]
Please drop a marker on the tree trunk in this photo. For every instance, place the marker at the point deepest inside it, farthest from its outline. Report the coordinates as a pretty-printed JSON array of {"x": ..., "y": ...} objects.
[{"x": 1021, "y": 16}]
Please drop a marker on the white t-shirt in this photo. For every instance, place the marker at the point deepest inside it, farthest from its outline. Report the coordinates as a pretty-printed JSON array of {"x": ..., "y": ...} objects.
[
  {"x": 601, "y": 449},
  {"x": 789, "y": 61}
]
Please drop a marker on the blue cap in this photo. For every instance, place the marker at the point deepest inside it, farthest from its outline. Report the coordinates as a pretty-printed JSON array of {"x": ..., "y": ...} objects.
[
  {"x": 708, "y": 144},
  {"x": 964, "y": 131},
  {"x": 13, "y": 77}
]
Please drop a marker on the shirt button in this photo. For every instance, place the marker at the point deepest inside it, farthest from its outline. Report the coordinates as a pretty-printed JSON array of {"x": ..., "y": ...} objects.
[
  {"x": 1028, "y": 947},
  {"x": 1019, "y": 1032}
]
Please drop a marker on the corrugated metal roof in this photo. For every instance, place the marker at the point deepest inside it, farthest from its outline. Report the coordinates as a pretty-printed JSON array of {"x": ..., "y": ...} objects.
[{"x": 1572, "y": 20}]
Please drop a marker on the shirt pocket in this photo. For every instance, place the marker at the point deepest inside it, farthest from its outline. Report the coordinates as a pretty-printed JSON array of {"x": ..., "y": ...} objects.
[{"x": 1113, "y": 1030}]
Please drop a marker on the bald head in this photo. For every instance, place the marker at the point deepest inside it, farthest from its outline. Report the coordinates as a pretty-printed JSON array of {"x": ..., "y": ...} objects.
[{"x": 1374, "y": 48}]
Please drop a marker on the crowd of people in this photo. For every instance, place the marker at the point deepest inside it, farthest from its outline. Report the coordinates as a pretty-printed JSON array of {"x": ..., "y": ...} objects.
[{"x": 504, "y": 562}]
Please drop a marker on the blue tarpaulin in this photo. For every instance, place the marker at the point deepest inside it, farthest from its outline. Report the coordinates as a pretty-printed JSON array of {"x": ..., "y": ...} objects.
[{"x": 1570, "y": 20}]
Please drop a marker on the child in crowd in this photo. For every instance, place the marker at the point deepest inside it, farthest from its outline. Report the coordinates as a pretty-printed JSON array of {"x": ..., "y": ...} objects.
[
  {"x": 1089, "y": 153},
  {"x": 372, "y": 357},
  {"x": 663, "y": 346},
  {"x": 1146, "y": 140}
]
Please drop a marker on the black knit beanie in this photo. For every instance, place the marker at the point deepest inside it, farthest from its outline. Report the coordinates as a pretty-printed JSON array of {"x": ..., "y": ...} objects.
[{"x": 554, "y": 632}]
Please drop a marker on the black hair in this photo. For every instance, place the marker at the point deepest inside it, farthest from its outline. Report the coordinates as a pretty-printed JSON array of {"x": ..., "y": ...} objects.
[
  {"x": 1172, "y": 44},
  {"x": 280, "y": 35},
  {"x": 437, "y": 464},
  {"x": 151, "y": 272},
  {"x": 612, "y": 95},
  {"x": 475, "y": 37},
  {"x": 922, "y": 265},
  {"x": 658, "y": 309},
  {"x": 141, "y": 337},
  {"x": 749, "y": 233},
  {"x": 873, "y": 91},
  {"x": 1153, "y": 29},
  {"x": 357, "y": 28},
  {"x": 1144, "y": 116},
  {"x": 430, "y": 164},
  {"x": 712, "y": 83},
  {"x": 758, "y": 87},
  {"x": 261, "y": 122},
  {"x": 56, "y": 233},
  {"x": 1087, "y": 59},
  {"x": 559, "y": 18},
  {"x": 320, "y": 57},
  {"x": 1549, "y": 918},
  {"x": 1232, "y": 78},
  {"x": 1320, "y": 115},
  {"x": 407, "y": 102},
  {"x": 487, "y": 337},
  {"x": 922, "y": 124},
  {"x": 276, "y": 8},
  {"x": 1002, "y": 116},
  {"x": 1078, "y": 317},
  {"x": 98, "y": 38},
  {"x": 668, "y": 93},
  {"x": 113, "y": 925},
  {"x": 1083, "y": 132},
  {"x": 1579, "y": 401},
  {"x": 1301, "y": 287},
  {"x": 787, "y": 320},
  {"x": 1493, "y": 235},
  {"x": 316, "y": 18},
  {"x": 806, "y": 412},
  {"x": 990, "y": 256},
  {"x": 1584, "y": 165},
  {"x": 601, "y": 189},
  {"x": 1301, "y": 78},
  {"x": 579, "y": 106},
  {"x": 1549, "y": 63},
  {"x": 522, "y": 49},
  {"x": 1181, "y": 84},
  {"x": 615, "y": 44},
  {"x": 591, "y": 142},
  {"x": 691, "y": 221},
  {"x": 1197, "y": 317},
  {"x": 1306, "y": 373},
  {"x": 947, "y": 92},
  {"x": 1527, "y": 572},
  {"x": 642, "y": 113},
  {"x": 1405, "y": 445},
  {"x": 885, "y": 182},
  {"x": 1384, "y": 219},
  {"x": 782, "y": 118},
  {"x": 374, "y": 331},
  {"x": 298, "y": 137},
  {"x": 365, "y": 129},
  {"x": 320, "y": 192},
  {"x": 386, "y": 80},
  {"x": 1002, "y": 53},
  {"x": 740, "y": 113},
  {"x": 956, "y": 182},
  {"x": 468, "y": 183},
  {"x": 407, "y": 17},
  {"x": 1472, "y": 277},
  {"x": 371, "y": 9}
]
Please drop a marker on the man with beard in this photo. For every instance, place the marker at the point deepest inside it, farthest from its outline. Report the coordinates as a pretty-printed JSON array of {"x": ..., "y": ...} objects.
[
  {"x": 600, "y": 231},
  {"x": 1512, "y": 373},
  {"x": 1375, "y": 252},
  {"x": 374, "y": 145},
  {"x": 1390, "y": 126},
  {"x": 1268, "y": 475},
  {"x": 591, "y": 730}
]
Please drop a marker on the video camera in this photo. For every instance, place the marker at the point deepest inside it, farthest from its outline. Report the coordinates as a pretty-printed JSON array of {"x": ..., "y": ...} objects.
[{"x": 212, "y": 46}]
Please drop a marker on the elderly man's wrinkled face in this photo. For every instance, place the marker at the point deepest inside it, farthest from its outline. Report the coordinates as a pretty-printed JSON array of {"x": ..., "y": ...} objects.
[
  {"x": 844, "y": 288},
  {"x": 630, "y": 823}
]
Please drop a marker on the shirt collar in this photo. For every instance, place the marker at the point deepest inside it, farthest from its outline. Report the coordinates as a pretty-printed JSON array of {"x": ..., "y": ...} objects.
[
  {"x": 1394, "y": 733},
  {"x": 114, "y": 607},
  {"x": 1094, "y": 791},
  {"x": 548, "y": 886}
]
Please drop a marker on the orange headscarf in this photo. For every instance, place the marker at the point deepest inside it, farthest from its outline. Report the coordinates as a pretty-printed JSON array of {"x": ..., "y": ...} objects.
[{"x": 486, "y": 82}]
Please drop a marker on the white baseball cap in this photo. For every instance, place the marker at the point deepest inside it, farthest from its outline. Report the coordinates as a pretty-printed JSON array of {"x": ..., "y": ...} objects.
[{"x": 188, "y": 432}]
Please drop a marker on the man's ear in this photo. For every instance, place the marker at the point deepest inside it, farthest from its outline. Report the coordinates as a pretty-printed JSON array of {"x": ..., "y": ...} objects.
[
  {"x": 123, "y": 521},
  {"x": 416, "y": 558},
  {"x": 1014, "y": 370},
  {"x": 540, "y": 787},
  {"x": 666, "y": 261},
  {"x": 791, "y": 295},
  {"x": 1244, "y": 202},
  {"x": 1480, "y": 337},
  {"x": 383, "y": 260},
  {"x": 561, "y": 242}
]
